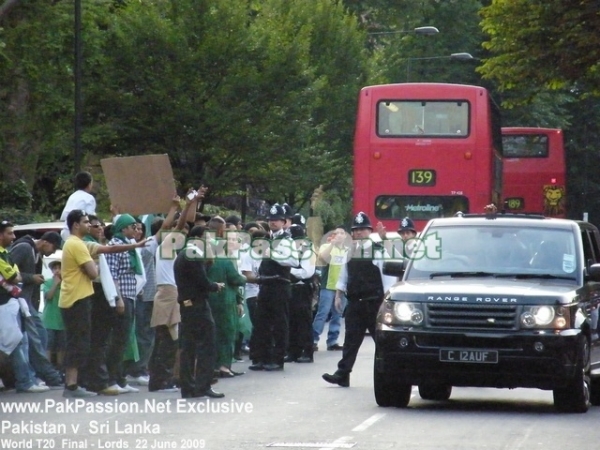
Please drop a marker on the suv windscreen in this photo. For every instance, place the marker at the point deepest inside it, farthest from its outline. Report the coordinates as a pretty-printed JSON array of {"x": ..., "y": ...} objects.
[{"x": 499, "y": 251}]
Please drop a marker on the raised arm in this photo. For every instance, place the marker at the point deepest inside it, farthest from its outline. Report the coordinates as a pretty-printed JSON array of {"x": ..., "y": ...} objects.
[
  {"x": 190, "y": 200},
  {"x": 168, "y": 222},
  {"x": 119, "y": 248},
  {"x": 325, "y": 251}
]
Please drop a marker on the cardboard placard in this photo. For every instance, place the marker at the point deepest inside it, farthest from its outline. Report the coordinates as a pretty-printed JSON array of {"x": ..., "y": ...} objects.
[{"x": 140, "y": 184}]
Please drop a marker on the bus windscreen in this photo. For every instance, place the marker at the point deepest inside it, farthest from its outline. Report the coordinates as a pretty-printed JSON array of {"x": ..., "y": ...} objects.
[{"x": 525, "y": 146}]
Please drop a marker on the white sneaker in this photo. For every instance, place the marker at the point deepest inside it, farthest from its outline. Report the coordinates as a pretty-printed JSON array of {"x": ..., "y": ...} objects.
[
  {"x": 1, "y": 385},
  {"x": 121, "y": 390},
  {"x": 78, "y": 393},
  {"x": 169, "y": 389},
  {"x": 36, "y": 388},
  {"x": 142, "y": 380},
  {"x": 115, "y": 389},
  {"x": 127, "y": 388}
]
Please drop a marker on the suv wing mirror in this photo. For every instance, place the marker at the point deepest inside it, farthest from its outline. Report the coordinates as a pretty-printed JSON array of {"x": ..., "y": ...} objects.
[
  {"x": 593, "y": 272},
  {"x": 396, "y": 268}
]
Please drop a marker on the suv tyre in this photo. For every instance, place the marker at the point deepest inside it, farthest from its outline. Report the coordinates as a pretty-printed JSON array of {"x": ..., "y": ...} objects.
[
  {"x": 595, "y": 392},
  {"x": 388, "y": 393},
  {"x": 437, "y": 392},
  {"x": 575, "y": 396}
]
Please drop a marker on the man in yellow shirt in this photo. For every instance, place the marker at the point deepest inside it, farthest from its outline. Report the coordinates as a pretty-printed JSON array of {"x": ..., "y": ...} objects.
[{"x": 78, "y": 271}]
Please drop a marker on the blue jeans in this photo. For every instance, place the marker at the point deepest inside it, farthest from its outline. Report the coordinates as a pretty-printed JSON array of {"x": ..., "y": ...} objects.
[
  {"x": 20, "y": 365},
  {"x": 35, "y": 346},
  {"x": 327, "y": 305}
]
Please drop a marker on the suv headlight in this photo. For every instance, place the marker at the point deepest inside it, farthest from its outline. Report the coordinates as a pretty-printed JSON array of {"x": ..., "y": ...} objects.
[
  {"x": 403, "y": 313},
  {"x": 545, "y": 316}
]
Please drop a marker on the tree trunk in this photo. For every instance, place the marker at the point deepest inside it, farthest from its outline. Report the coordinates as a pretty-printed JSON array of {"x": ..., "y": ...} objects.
[{"x": 6, "y": 6}]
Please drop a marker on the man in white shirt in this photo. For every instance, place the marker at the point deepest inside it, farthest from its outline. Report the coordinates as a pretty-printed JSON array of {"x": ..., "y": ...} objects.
[
  {"x": 166, "y": 315},
  {"x": 300, "y": 348},
  {"x": 80, "y": 199},
  {"x": 249, "y": 265}
]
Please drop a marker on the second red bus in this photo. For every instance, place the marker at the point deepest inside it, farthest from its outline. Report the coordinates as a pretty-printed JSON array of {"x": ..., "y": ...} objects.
[{"x": 534, "y": 171}]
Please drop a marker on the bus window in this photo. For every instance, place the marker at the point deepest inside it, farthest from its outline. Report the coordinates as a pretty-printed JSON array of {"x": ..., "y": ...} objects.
[
  {"x": 525, "y": 146},
  {"x": 426, "y": 118}
]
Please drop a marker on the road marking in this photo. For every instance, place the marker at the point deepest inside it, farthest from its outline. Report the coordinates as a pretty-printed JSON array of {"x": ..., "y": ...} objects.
[
  {"x": 320, "y": 445},
  {"x": 341, "y": 441},
  {"x": 370, "y": 421}
]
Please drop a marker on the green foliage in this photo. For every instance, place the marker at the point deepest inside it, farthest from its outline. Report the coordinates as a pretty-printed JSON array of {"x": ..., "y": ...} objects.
[
  {"x": 544, "y": 109},
  {"x": 549, "y": 44},
  {"x": 408, "y": 56},
  {"x": 334, "y": 208},
  {"x": 262, "y": 98},
  {"x": 15, "y": 195},
  {"x": 260, "y": 95},
  {"x": 18, "y": 216}
]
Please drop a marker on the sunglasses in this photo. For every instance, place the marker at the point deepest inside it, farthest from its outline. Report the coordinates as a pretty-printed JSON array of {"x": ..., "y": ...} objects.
[{"x": 96, "y": 225}]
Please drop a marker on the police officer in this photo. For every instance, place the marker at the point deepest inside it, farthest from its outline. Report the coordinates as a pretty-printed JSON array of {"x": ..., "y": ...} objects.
[
  {"x": 272, "y": 308},
  {"x": 299, "y": 219},
  {"x": 288, "y": 212},
  {"x": 300, "y": 342},
  {"x": 403, "y": 247},
  {"x": 364, "y": 283}
]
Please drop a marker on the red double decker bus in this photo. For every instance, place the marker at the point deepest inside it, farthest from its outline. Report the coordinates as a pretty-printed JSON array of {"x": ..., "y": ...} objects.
[
  {"x": 425, "y": 150},
  {"x": 534, "y": 171}
]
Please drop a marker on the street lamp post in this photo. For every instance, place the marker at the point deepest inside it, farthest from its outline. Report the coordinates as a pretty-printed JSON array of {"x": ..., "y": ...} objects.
[
  {"x": 418, "y": 30},
  {"x": 77, "y": 81},
  {"x": 462, "y": 56}
]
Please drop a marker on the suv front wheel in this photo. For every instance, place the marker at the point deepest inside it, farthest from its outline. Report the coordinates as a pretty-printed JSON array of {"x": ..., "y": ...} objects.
[
  {"x": 575, "y": 396},
  {"x": 389, "y": 393}
]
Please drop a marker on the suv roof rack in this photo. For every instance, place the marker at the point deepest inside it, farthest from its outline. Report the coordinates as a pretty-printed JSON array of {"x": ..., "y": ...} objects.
[{"x": 496, "y": 215}]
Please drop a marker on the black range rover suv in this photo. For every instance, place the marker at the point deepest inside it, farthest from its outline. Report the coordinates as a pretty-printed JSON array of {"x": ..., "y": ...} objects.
[{"x": 501, "y": 301}]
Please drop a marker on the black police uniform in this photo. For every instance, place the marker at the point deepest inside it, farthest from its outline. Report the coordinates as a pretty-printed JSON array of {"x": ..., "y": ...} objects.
[
  {"x": 198, "y": 332},
  {"x": 270, "y": 333},
  {"x": 300, "y": 347},
  {"x": 365, "y": 293}
]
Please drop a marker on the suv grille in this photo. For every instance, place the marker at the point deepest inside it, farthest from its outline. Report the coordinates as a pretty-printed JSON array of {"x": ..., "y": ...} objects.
[{"x": 489, "y": 317}]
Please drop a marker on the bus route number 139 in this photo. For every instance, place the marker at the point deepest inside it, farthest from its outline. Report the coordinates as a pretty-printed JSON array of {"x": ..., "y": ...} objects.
[{"x": 421, "y": 177}]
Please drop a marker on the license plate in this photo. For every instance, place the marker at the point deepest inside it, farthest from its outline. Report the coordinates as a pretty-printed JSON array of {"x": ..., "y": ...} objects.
[{"x": 469, "y": 356}]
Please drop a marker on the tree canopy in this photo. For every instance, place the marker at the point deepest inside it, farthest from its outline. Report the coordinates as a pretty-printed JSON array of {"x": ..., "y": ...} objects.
[
  {"x": 543, "y": 43},
  {"x": 259, "y": 96}
]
